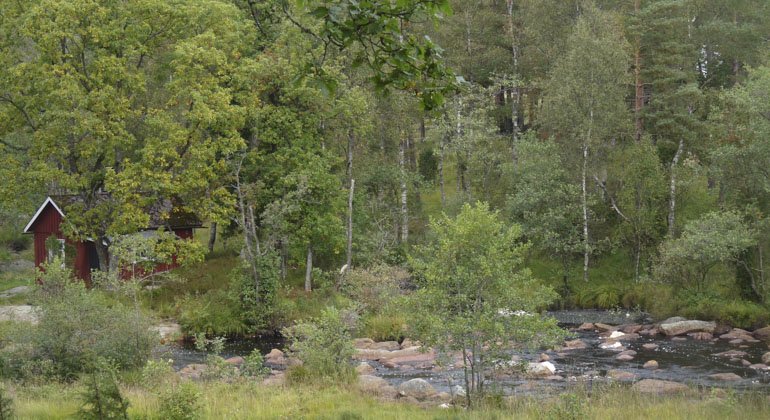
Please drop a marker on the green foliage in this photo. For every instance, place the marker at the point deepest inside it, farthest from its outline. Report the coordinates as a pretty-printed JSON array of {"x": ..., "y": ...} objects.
[
  {"x": 717, "y": 237},
  {"x": 376, "y": 287},
  {"x": 78, "y": 326},
  {"x": 214, "y": 312},
  {"x": 216, "y": 367},
  {"x": 102, "y": 399},
  {"x": 180, "y": 402},
  {"x": 7, "y": 411},
  {"x": 570, "y": 407},
  {"x": 428, "y": 165},
  {"x": 387, "y": 326},
  {"x": 156, "y": 372},
  {"x": 253, "y": 366},
  {"x": 324, "y": 346},
  {"x": 474, "y": 296}
]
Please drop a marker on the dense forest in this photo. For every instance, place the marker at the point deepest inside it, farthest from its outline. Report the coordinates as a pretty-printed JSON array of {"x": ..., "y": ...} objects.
[{"x": 610, "y": 154}]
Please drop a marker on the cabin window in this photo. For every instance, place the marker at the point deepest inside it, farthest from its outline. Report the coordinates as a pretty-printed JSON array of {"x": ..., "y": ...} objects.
[{"x": 56, "y": 247}]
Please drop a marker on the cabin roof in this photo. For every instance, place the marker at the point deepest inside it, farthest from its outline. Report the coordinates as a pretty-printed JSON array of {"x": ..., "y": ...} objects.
[{"x": 164, "y": 212}]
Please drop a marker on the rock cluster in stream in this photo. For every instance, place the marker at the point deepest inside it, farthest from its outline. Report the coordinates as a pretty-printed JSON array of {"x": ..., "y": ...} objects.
[{"x": 372, "y": 356}]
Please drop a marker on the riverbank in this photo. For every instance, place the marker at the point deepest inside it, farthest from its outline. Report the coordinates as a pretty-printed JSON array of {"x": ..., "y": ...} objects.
[{"x": 252, "y": 401}]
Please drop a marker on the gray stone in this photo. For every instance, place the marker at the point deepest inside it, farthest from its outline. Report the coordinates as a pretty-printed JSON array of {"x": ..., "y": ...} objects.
[
  {"x": 20, "y": 290},
  {"x": 762, "y": 334},
  {"x": 684, "y": 327},
  {"x": 19, "y": 313},
  {"x": 674, "y": 319},
  {"x": 650, "y": 364},
  {"x": 587, "y": 326},
  {"x": 385, "y": 345},
  {"x": 766, "y": 358},
  {"x": 364, "y": 368},
  {"x": 418, "y": 389},
  {"x": 650, "y": 346},
  {"x": 656, "y": 386},
  {"x": 725, "y": 377},
  {"x": 377, "y": 386},
  {"x": 362, "y": 343}
]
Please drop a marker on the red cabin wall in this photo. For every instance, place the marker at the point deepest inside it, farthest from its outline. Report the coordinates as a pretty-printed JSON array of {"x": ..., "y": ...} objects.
[{"x": 48, "y": 223}]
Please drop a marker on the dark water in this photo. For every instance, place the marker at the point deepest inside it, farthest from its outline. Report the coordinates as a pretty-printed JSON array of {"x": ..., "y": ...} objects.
[
  {"x": 185, "y": 353},
  {"x": 688, "y": 361}
]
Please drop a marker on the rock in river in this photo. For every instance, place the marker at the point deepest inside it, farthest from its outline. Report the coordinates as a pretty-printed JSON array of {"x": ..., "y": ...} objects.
[
  {"x": 684, "y": 327},
  {"x": 725, "y": 377},
  {"x": 418, "y": 389},
  {"x": 651, "y": 364},
  {"x": 656, "y": 386},
  {"x": 364, "y": 368}
]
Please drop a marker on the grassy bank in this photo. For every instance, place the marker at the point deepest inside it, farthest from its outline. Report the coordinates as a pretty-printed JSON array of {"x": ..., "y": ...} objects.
[{"x": 244, "y": 401}]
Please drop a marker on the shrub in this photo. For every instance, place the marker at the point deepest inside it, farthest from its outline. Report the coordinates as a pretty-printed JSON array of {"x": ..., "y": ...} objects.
[
  {"x": 569, "y": 407},
  {"x": 156, "y": 371},
  {"x": 101, "y": 398},
  {"x": 181, "y": 402},
  {"x": 77, "y": 327},
  {"x": 252, "y": 366},
  {"x": 216, "y": 368},
  {"x": 6, "y": 406},
  {"x": 215, "y": 312},
  {"x": 324, "y": 345},
  {"x": 375, "y": 287},
  {"x": 385, "y": 327}
]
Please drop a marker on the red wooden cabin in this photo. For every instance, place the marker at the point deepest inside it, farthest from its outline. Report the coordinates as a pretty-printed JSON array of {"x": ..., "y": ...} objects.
[{"x": 49, "y": 216}]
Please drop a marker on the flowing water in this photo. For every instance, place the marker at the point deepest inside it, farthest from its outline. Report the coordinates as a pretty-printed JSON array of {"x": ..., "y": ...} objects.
[{"x": 689, "y": 361}]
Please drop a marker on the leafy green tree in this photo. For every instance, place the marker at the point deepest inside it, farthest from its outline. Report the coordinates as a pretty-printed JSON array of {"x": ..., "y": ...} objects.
[
  {"x": 584, "y": 102},
  {"x": 717, "y": 237},
  {"x": 545, "y": 202},
  {"x": 102, "y": 399},
  {"x": 475, "y": 298}
]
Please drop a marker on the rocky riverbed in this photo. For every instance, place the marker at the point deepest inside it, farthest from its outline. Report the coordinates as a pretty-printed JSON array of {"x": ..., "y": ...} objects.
[{"x": 664, "y": 357}]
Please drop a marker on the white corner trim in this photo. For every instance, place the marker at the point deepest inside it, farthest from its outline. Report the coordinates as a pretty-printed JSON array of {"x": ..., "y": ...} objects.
[{"x": 40, "y": 210}]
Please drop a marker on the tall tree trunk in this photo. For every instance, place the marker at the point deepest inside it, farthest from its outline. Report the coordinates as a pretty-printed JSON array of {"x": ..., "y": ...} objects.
[
  {"x": 212, "y": 236},
  {"x": 639, "y": 100},
  {"x": 309, "y": 269},
  {"x": 515, "y": 90},
  {"x": 284, "y": 256},
  {"x": 349, "y": 259},
  {"x": 102, "y": 253},
  {"x": 466, "y": 178},
  {"x": 584, "y": 202},
  {"x": 404, "y": 209},
  {"x": 672, "y": 191},
  {"x": 441, "y": 171}
]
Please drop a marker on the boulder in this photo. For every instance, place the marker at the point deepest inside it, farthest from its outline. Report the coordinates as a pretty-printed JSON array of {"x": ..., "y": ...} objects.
[
  {"x": 731, "y": 354},
  {"x": 277, "y": 378},
  {"x": 684, "y": 327},
  {"x": 418, "y": 389},
  {"x": 674, "y": 319},
  {"x": 624, "y": 358},
  {"x": 390, "y": 365},
  {"x": 759, "y": 366},
  {"x": 574, "y": 345},
  {"x": 762, "y": 334},
  {"x": 409, "y": 343},
  {"x": 554, "y": 378},
  {"x": 650, "y": 346},
  {"x": 604, "y": 327},
  {"x": 586, "y": 326},
  {"x": 614, "y": 345},
  {"x": 364, "y": 368},
  {"x": 631, "y": 353},
  {"x": 725, "y": 377},
  {"x": 458, "y": 392},
  {"x": 374, "y": 385},
  {"x": 617, "y": 334},
  {"x": 192, "y": 371},
  {"x": 235, "y": 360},
  {"x": 19, "y": 313},
  {"x": 20, "y": 290},
  {"x": 543, "y": 357},
  {"x": 631, "y": 328},
  {"x": 541, "y": 369},
  {"x": 275, "y": 354},
  {"x": 362, "y": 343},
  {"x": 650, "y": 364},
  {"x": 701, "y": 336},
  {"x": 385, "y": 345},
  {"x": 369, "y": 354},
  {"x": 766, "y": 358},
  {"x": 678, "y": 338},
  {"x": 745, "y": 362},
  {"x": 621, "y": 375},
  {"x": 168, "y": 331},
  {"x": 737, "y": 334},
  {"x": 656, "y": 386}
]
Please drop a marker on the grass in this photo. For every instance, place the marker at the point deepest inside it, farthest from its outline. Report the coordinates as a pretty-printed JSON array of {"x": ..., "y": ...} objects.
[{"x": 251, "y": 401}]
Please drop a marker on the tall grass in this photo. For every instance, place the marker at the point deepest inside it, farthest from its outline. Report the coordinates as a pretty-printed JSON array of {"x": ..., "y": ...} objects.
[{"x": 253, "y": 401}]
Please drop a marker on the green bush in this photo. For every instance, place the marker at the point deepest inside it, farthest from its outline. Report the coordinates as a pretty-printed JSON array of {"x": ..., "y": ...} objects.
[
  {"x": 7, "y": 411},
  {"x": 76, "y": 327},
  {"x": 376, "y": 287},
  {"x": 101, "y": 398},
  {"x": 156, "y": 371},
  {"x": 743, "y": 314},
  {"x": 253, "y": 366},
  {"x": 324, "y": 346},
  {"x": 385, "y": 327},
  {"x": 602, "y": 296},
  {"x": 180, "y": 402},
  {"x": 214, "y": 313}
]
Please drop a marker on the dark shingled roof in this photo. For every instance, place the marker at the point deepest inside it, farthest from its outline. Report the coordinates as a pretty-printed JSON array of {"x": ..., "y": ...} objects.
[{"x": 167, "y": 212}]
